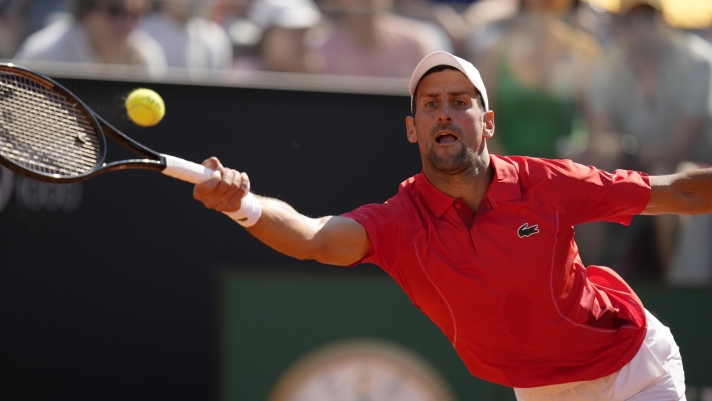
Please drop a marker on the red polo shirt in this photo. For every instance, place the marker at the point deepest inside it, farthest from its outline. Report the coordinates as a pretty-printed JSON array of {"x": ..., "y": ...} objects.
[{"x": 510, "y": 291}]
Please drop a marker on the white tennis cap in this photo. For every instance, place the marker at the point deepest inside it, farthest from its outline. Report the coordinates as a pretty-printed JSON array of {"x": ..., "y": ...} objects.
[{"x": 444, "y": 58}]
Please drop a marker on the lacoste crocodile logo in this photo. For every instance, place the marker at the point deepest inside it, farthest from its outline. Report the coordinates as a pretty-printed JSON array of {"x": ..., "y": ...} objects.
[{"x": 525, "y": 230}]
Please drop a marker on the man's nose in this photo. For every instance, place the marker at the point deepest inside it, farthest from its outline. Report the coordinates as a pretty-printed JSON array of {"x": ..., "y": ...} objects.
[{"x": 445, "y": 113}]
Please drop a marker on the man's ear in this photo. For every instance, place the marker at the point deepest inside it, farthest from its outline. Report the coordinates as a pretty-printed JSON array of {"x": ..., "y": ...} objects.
[
  {"x": 410, "y": 129},
  {"x": 488, "y": 124}
]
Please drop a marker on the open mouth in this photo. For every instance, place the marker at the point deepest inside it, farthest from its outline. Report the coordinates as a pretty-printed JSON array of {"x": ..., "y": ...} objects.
[{"x": 445, "y": 138}]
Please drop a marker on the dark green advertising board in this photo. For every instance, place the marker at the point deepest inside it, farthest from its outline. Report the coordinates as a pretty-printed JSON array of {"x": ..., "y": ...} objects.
[{"x": 272, "y": 323}]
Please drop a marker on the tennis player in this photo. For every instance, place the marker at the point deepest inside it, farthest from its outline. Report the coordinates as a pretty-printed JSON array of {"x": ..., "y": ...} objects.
[{"x": 484, "y": 245}]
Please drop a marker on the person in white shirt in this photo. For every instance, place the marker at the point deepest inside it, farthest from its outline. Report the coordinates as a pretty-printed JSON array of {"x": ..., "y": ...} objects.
[
  {"x": 188, "y": 41},
  {"x": 100, "y": 31}
]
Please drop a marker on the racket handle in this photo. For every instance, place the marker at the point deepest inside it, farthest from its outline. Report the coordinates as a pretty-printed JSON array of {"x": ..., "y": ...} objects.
[{"x": 184, "y": 170}]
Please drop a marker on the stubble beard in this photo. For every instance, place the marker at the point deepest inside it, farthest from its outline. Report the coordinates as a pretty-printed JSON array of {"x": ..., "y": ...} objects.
[{"x": 463, "y": 161}]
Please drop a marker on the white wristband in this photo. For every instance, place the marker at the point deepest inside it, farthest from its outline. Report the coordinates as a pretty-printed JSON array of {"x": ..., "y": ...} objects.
[{"x": 249, "y": 212}]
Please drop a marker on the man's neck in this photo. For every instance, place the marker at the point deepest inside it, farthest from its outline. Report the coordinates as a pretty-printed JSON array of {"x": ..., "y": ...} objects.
[{"x": 470, "y": 185}]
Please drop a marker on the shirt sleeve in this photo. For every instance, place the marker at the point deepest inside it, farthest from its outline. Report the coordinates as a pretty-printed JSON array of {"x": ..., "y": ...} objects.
[
  {"x": 585, "y": 194},
  {"x": 384, "y": 225}
]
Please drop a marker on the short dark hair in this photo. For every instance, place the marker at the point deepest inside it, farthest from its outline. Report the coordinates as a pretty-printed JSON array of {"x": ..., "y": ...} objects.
[
  {"x": 83, "y": 7},
  {"x": 640, "y": 10},
  {"x": 439, "y": 68}
]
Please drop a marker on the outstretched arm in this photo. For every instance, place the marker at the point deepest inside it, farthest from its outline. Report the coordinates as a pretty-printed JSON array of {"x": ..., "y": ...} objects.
[
  {"x": 331, "y": 240},
  {"x": 689, "y": 192}
]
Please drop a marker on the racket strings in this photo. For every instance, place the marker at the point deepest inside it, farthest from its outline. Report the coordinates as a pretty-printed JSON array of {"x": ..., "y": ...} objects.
[{"x": 42, "y": 131}]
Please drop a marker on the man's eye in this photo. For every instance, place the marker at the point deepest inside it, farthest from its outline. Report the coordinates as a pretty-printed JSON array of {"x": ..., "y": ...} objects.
[
  {"x": 459, "y": 103},
  {"x": 430, "y": 104}
]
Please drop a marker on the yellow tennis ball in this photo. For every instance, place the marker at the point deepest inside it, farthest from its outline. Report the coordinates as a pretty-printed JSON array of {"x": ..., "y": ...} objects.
[{"x": 145, "y": 107}]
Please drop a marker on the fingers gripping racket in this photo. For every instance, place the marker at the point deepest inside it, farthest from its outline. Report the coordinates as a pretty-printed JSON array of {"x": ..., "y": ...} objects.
[{"x": 48, "y": 134}]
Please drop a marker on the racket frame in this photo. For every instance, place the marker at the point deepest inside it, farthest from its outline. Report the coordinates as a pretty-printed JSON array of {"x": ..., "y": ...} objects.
[{"x": 152, "y": 159}]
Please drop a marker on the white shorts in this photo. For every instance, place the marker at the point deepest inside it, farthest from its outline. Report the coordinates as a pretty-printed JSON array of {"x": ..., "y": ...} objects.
[{"x": 654, "y": 374}]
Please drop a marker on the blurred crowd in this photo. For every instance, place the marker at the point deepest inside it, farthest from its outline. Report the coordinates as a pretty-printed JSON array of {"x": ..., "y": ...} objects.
[{"x": 611, "y": 83}]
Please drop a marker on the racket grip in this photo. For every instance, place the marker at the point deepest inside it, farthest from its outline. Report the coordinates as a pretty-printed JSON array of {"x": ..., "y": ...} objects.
[{"x": 185, "y": 170}]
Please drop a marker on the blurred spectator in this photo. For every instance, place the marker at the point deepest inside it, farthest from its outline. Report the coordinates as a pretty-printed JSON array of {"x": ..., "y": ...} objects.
[
  {"x": 41, "y": 13},
  {"x": 449, "y": 27},
  {"x": 488, "y": 21},
  {"x": 224, "y": 12},
  {"x": 596, "y": 22},
  {"x": 484, "y": 19},
  {"x": 285, "y": 26},
  {"x": 188, "y": 41},
  {"x": 244, "y": 34},
  {"x": 454, "y": 2},
  {"x": 12, "y": 25},
  {"x": 366, "y": 38},
  {"x": 706, "y": 33},
  {"x": 101, "y": 31},
  {"x": 651, "y": 110},
  {"x": 651, "y": 94},
  {"x": 537, "y": 70},
  {"x": 692, "y": 259}
]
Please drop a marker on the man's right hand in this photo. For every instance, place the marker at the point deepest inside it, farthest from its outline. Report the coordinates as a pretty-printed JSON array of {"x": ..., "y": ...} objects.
[{"x": 224, "y": 190}]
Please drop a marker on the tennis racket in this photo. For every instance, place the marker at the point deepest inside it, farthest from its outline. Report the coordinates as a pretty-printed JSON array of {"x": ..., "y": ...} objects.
[{"x": 48, "y": 134}]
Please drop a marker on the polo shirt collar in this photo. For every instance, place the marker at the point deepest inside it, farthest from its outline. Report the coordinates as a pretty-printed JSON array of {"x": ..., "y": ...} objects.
[{"x": 504, "y": 187}]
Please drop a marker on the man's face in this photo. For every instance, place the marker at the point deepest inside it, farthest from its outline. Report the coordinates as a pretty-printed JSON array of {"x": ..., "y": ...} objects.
[
  {"x": 643, "y": 32},
  {"x": 449, "y": 125},
  {"x": 111, "y": 22}
]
